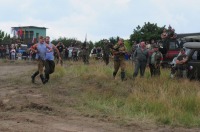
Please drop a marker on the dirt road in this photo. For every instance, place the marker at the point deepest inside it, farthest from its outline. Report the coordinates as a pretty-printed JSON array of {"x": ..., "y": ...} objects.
[{"x": 24, "y": 109}]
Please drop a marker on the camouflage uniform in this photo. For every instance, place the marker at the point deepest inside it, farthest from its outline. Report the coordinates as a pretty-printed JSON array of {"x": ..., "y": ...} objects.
[
  {"x": 85, "y": 54},
  {"x": 119, "y": 59},
  {"x": 182, "y": 68},
  {"x": 155, "y": 60},
  {"x": 106, "y": 52}
]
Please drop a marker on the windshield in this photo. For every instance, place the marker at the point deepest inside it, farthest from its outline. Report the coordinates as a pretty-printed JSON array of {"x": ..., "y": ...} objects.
[{"x": 173, "y": 46}]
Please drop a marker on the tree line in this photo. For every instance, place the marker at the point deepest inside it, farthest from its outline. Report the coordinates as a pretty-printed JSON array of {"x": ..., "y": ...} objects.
[
  {"x": 5, "y": 38},
  {"x": 146, "y": 32}
]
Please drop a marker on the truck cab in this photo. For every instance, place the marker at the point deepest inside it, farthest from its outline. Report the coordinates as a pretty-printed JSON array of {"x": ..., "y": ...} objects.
[{"x": 170, "y": 49}]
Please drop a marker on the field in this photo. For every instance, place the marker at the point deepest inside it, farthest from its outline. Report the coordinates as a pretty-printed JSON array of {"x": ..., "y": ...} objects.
[{"x": 85, "y": 98}]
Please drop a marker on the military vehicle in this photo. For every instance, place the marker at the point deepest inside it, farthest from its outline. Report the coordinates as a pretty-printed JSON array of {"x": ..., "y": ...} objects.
[
  {"x": 170, "y": 49},
  {"x": 192, "y": 47},
  {"x": 193, "y": 43}
]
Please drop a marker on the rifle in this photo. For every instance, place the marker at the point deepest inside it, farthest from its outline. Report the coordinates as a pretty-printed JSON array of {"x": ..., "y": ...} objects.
[
  {"x": 157, "y": 61},
  {"x": 118, "y": 51}
]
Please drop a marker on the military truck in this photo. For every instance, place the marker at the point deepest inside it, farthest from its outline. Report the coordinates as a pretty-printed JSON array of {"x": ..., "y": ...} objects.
[
  {"x": 193, "y": 60},
  {"x": 192, "y": 47},
  {"x": 170, "y": 49},
  {"x": 192, "y": 38}
]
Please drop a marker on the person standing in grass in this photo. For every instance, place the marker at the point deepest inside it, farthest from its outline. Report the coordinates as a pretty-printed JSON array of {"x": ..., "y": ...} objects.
[
  {"x": 85, "y": 53},
  {"x": 106, "y": 51},
  {"x": 155, "y": 60},
  {"x": 181, "y": 64},
  {"x": 140, "y": 57},
  {"x": 119, "y": 51},
  {"x": 13, "y": 53}
]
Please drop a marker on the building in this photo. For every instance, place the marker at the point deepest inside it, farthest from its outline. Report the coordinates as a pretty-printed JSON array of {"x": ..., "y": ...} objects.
[{"x": 27, "y": 34}]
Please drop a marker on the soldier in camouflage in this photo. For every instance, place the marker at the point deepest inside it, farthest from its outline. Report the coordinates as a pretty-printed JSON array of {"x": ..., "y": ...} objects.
[
  {"x": 85, "y": 53},
  {"x": 155, "y": 60},
  {"x": 106, "y": 51},
  {"x": 119, "y": 51}
]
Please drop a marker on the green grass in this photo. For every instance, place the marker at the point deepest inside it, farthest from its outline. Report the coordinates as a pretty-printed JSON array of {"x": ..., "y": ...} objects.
[{"x": 92, "y": 90}]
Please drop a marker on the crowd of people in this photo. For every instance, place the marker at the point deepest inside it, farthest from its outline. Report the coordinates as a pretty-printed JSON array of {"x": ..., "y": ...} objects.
[
  {"x": 12, "y": 52},
  {"x": 15, "y": 52},
  {"x": 143, "y": 55}
]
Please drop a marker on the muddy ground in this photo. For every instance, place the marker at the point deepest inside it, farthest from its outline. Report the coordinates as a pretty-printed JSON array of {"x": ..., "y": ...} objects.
[{"x": 25, "y": 108}]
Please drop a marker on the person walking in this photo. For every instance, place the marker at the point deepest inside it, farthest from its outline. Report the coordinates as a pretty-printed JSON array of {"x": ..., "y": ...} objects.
[
  {"x": 119, "y": 51},
  {"x": 140, "y": 57},
  {"x": 60, "y": 46}
]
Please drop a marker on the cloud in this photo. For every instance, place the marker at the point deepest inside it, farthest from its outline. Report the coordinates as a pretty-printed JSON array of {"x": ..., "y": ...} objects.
[{"x": 98, "y": 18}]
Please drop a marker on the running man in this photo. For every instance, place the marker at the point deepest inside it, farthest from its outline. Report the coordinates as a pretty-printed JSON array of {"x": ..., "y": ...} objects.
[
  {"x": 40, "y": 49},
  {"x": 49, "y": 63}
]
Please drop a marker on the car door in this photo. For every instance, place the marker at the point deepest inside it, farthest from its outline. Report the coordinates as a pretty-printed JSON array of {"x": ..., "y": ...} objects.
[
  {"x": 173, "y": 50},
  {"x": 194, "y": 64}
]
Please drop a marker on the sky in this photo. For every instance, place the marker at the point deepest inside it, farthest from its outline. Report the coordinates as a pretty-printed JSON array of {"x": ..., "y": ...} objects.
[{"x": 99, "y": 18}]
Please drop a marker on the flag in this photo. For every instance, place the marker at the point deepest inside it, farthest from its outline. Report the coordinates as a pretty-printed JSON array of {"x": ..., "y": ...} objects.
[
  {"x": 20, "y": 32},
  {"x": 34, "y": 40}
]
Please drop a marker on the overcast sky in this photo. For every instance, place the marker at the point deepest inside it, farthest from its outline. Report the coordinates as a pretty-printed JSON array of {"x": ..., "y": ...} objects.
[{"x": 99, "y": 18}]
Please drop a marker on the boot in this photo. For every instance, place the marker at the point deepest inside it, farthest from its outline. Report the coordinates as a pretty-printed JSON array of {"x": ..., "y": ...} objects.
[
  {"x": 33, "y": 76},
  {"x": 123, "y": 76},
  {"x": 42, "y": 79},
  {"x": 114, "y": 74},
  {"x": 46, "y": 78}
]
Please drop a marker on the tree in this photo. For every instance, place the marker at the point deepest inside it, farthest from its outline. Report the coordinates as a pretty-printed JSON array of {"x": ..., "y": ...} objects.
[
  {"x": 91, "y": 45},
  {"x": 114, "y": 40},
  {"x": 99, "y": 43},
  {"x": 4, "y": 38},
  {"x": 68, "y": 42},
  {"x": 146, "y": 33},
  {"x": 7, "y": 39}
]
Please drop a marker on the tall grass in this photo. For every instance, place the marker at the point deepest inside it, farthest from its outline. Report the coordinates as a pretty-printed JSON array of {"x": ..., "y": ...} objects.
[{"x": 160, "y": 99}]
